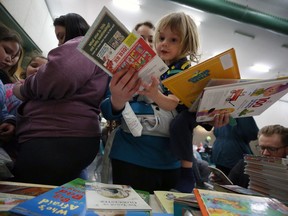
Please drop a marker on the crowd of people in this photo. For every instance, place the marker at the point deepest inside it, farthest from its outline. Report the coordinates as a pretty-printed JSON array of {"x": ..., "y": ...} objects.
[{"x": 58, "y": 101}]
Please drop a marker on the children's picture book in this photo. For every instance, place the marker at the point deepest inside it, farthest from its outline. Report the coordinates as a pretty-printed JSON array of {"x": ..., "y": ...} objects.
[
  {"x": 241, "y": 99},
  {"x": 101, "y": 197},
  {"x": 110, "y": 45},
  {"x": 221, "y": 203},
  {"x": 218, "y": 176},
  {"x": 189, "y": 84},
  {"x": 165, "y": 199},
  {"x": 68, "y": 199}
]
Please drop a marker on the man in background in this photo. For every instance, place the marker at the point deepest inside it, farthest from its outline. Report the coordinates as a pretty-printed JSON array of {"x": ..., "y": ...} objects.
[{"x": 272, "y": 142}]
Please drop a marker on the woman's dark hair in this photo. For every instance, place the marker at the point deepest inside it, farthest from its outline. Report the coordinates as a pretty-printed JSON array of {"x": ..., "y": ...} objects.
[
  {"x": 74, "y": 24},
  {"x": 7, "y": 34},
  {"x": 147, "y": 23}
]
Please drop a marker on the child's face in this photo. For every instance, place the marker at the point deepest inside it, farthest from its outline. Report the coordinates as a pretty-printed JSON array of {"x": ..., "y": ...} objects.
[
  {"x": 9, "y": 54},
  {"x": 168, "y": 46},
  {"x": 34, "y": 65}
]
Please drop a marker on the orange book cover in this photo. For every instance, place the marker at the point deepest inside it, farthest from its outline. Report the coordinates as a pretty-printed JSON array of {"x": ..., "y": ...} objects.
[{"x": 189, "y": 84}]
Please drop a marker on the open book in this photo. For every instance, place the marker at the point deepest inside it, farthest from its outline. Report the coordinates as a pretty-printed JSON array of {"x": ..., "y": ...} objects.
[
  {"x": 189, "y": 84},
  {"x": 111, "y": 46},
  {"x": 240, "y": 99},
  {"x": 219, "y": 176}
]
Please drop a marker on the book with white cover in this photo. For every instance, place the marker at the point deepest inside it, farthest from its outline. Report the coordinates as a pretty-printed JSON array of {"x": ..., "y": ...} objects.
[
  {"x": 110, "y": 45},
  {"x": 100, "y": 196}
]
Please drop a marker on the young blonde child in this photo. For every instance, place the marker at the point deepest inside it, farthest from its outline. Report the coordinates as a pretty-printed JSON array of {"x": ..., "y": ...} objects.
[{"x": 176, "y": 38}]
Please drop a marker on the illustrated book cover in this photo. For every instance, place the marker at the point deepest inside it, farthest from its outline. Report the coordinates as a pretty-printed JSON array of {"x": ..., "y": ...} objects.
[
  {"x": 111, "y": 46},
  {"x": 165, "y": 199},
  {"x": 189, "y": 84},
  {"x": 68, "y": 199},
  {"x": 221, "y": 203},
  {"x": 100, "y": 196},
  {"x": 241, "y": 99}
]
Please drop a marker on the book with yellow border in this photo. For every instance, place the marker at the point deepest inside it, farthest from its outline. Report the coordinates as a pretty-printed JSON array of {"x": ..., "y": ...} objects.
[
  {"x": 221, "y": 203},
  {"x": 189, "y": 84},
  {"x": 165, "y": 199}
]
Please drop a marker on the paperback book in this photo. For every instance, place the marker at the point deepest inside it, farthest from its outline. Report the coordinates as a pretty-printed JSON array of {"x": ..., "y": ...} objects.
[
  {"x": 219, "y": 176},
  {"x": 110, "y": 45},
  {"x": 13, "y": 193},
  {"x": 68, "y": 199},
  {"x": 221, "y": 203},
  {"x": 108, "y": 197},
  {"x": 165, "y": 199},
  {"x": 241, "y": 99},
  {"x": 189, "y": 84}
]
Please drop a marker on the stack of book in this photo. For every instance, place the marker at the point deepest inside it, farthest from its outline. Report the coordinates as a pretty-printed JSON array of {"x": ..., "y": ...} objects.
[{"x": 268, "y": 175}]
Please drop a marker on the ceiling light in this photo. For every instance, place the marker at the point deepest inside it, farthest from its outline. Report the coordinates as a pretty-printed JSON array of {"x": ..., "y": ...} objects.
[
  {"x": 260, "y": 68},
  {"x": 131, "y": 5}
]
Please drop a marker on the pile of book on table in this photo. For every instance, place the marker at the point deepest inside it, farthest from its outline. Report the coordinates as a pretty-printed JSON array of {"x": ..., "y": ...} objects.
[
  {"x": 236, "y": 201},
  {"x": 268, "y": 175},
  {"x": 77, "y": 198}
]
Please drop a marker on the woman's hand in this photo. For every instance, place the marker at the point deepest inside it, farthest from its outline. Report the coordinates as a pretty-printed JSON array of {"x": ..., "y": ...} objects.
[{"x": 124, "y": 84}]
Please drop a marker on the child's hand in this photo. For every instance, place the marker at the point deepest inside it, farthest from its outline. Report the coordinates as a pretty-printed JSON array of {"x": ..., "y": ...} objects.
[
  {"x": 221, "y": 120},
  {"x": 150, "y": 90}
]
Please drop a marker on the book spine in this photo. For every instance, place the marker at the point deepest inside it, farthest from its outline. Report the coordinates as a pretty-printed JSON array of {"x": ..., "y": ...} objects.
[{"x": 200, "y": 203}]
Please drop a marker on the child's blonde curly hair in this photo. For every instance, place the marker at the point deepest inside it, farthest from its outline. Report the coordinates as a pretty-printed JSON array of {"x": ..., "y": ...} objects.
[{"x": 184, "y": 26}]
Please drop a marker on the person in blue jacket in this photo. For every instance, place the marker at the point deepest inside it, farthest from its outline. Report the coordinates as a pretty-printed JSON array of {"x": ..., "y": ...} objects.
[{"x": 232, "y": 142}]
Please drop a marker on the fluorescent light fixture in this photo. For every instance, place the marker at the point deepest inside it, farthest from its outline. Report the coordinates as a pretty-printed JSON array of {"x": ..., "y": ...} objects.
[
  {"x": 260, "y": 68},
  {"x": 131, "y": 5}
]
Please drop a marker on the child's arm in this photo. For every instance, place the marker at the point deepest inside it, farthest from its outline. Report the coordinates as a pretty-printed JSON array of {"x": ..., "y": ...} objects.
[{"x": 152, "y": 91}]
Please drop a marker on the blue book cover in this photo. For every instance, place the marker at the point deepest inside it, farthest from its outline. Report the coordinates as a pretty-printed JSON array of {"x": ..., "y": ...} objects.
[{"x": 68, "y": 199}]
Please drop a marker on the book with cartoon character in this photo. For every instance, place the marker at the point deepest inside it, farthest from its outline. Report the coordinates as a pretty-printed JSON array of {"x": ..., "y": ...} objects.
[
  {"x": 112, "y": 197},
  {"x": 221, "y": 203},
  {"x": 110, "y": 45},
  {"x": 240, "y": 99}
]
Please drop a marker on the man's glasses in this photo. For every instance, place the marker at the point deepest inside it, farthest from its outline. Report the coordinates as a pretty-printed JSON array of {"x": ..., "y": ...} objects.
[{"x": 269, "y": 149}]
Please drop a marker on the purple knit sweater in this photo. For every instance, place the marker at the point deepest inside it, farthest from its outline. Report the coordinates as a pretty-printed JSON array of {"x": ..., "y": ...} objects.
[{"x": 63, "y": 97}]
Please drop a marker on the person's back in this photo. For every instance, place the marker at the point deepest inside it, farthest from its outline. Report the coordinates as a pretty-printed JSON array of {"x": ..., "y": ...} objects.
[
  {"x": 73, "y": 97},
  {"x": 232, "y": 142}
]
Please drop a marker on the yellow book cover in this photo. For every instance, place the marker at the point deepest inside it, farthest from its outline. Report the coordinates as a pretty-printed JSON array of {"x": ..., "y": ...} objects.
[
  {"x": 165, "y": 199},
  {"x": 188, "y": 84}
]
